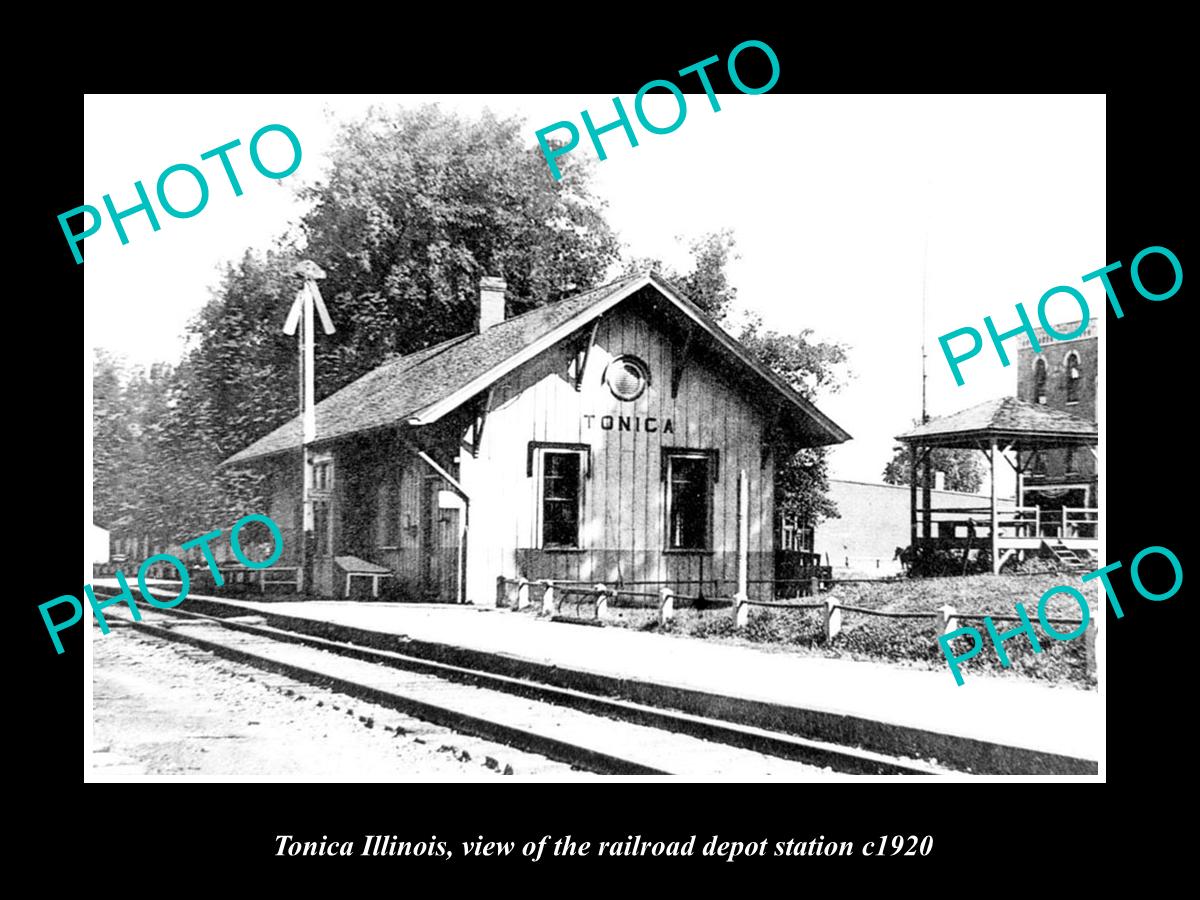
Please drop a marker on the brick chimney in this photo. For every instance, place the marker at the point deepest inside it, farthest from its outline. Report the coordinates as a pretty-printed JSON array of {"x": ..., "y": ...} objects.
[{"x": 491, "y": 301}]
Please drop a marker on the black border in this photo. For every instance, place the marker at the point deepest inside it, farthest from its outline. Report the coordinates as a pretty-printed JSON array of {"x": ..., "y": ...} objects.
[{"x": 219, "y": 837}]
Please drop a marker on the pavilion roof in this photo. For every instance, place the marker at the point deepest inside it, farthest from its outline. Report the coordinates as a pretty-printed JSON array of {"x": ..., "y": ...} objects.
[{"x": 1011, "y": 422}]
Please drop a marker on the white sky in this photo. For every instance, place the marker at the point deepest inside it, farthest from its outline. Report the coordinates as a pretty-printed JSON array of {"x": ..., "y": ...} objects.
[{"x": 831, "y": 200}]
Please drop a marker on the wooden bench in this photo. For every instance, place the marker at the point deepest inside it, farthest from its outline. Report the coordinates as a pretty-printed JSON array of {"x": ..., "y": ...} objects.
[{"x": 361, "y": 568}]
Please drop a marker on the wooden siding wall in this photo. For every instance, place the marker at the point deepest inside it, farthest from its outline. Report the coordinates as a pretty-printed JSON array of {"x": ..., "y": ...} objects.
[
  {"x": 623, "y": 525},
  {"x": 359, "y": 508},
  {"x": 283, "y": 504},
  {"x": 415, "y": 578},
  {"x": 403, "y": 556}
]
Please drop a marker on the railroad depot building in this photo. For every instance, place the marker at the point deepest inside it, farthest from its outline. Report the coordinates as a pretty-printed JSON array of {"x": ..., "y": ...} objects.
[{"x": 598, "y": 439}]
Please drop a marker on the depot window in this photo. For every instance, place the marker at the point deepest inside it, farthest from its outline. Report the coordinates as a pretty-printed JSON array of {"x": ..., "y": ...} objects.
[
  {"x": 323, "y": 475},
  {"x": 689, "y": 476},
  {"x": 627, "y": 377},
  {"x": 560, "y": 470}
]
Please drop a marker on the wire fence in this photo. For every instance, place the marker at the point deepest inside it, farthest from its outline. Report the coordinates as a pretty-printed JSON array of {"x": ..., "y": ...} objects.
[{"x": 583, "y": 601}]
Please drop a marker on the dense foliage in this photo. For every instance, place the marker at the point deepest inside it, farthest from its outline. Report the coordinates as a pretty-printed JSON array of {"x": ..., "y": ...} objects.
[
  {"x": 963, "y": 468},
  {"x": 416, "y": 207}
]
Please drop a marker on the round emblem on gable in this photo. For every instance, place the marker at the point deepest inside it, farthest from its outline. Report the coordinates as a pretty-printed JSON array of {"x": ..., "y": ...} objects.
[{"x": 627, "y": 377}]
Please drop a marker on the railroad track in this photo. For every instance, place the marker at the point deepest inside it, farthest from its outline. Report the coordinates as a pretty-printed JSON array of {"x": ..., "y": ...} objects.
[{"x": 588, "y": 730}]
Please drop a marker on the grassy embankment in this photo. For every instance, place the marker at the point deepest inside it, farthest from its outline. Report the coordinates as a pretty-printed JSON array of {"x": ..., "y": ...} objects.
[{"x": 905, "y": 641}]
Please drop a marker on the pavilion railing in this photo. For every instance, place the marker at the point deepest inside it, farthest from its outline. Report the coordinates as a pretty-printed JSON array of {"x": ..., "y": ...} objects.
[
  {"x": 1080, "y": 522},
  {"x": 957, "y": 521},
  {"x": 1012, "y": 522}
]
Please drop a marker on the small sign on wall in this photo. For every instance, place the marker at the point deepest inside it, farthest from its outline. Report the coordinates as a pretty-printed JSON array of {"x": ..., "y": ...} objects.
[{"x": 450, "y": 500}]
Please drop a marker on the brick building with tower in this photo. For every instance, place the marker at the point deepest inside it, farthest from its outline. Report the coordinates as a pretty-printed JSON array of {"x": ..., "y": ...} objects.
[
  {"x": 1063, "y": 376},
  {"x": 1047, "y": 434},
  {"x": 1049, "y": 437}
]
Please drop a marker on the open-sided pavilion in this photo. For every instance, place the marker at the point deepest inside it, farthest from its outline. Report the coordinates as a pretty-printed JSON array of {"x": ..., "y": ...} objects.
[{"x": 1015, "y": 431}]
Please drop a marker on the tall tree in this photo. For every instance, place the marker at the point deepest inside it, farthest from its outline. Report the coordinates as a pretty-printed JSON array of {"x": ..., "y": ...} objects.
[
  {"x": 707, "y": 283},
  {"x": 812, "y": 368},
  {"x": 141, "y": 484},
  {"x": 113, "y": 488},
  {"x": 962, "y": 467},
  {"x": 417, "y": 206}
]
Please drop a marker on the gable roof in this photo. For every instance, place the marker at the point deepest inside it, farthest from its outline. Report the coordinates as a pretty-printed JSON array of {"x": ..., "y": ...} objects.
[
  {"x": 1009, "y": 419},
  {"x": 422, "y": 387}
]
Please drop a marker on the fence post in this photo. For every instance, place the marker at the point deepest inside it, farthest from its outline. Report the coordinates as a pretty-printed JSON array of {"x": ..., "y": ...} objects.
[
  {"x": 833, "y": 618},
  {"x": 814, "y": 585},
  {"x": 601, "y": 601},
  {"x": 743, "y": 534},
  {"x": 742, "y": 616},
  {"x": 522, "y": 595},
  {"x": 949, "y": 619},
  {"x": 548, "y": 599},
  {"x": 666, "y": 609},
  {"x": 500, "y": 595}
]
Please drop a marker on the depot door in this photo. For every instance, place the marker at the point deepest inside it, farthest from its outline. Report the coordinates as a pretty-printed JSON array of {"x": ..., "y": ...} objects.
[{"x": 441, "y": 542}]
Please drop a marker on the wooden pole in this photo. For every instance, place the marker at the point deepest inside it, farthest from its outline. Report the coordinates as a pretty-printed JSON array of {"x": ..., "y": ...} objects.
[
  {"x": 743, "y": 534},
  {"x": 995, "y": 517},
  {"x": 1022, "y": 530},
  {"x": 300, "y": 319},
  {"x": 927, "y": 492},
  {"x": 912, "y": 495},
  {"x": 308, "y": 432},
  {"x": 310, "y": 382}
]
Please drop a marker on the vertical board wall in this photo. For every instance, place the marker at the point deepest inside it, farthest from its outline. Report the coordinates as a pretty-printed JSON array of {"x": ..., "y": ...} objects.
[{"x": 623, "y": 527}]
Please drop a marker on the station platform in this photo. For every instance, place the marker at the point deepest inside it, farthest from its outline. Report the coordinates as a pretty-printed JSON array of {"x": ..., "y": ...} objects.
[{"x": 1039, "y": 729}]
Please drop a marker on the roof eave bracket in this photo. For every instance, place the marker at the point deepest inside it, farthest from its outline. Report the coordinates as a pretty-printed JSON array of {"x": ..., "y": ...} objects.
[
  {"x": 682, "y": 356},
  {"x": 584, "y": 354},
  {"x": 481, "y": 414}
]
